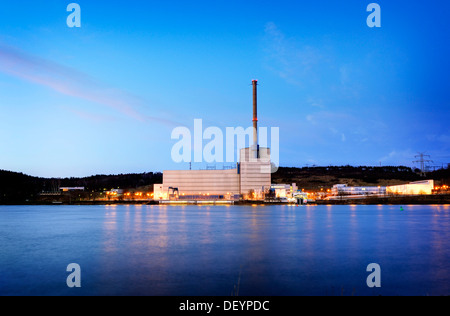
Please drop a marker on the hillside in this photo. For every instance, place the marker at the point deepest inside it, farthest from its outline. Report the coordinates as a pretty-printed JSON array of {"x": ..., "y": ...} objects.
[
  {"x": 18, "y": 187},
  {"x": 315, "y": 178}
]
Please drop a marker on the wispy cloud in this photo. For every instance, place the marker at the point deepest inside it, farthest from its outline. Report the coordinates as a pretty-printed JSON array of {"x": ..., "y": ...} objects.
[
  {"x": 311, "y": 65},
  {"x": 316, "y": 102},
  {"x": 398, "y": 156},
  {"x": 444, "y": 139},
  {"x": 73, "y": 83},
  {"x": 289, "y": 59},
  {"x": 330, "y": 126}
]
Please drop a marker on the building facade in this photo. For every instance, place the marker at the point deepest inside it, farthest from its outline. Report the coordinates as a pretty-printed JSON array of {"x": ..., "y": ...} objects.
[
  {"x": 249, "y": 179},
  {"x": 344, "y": 189},
  {"x": 413, "y": 188}
]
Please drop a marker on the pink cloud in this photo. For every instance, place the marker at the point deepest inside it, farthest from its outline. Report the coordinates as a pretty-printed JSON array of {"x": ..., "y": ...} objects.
[{"x": 71, "y": 82}]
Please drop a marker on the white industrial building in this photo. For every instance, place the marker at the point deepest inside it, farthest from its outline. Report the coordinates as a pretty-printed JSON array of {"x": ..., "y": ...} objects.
[
  {"x": 284, "y": 190},
  {"x": 70, "y": 189},
  {"x": 248, "y": 180},
  {"x": 413, "y": 188},
  {"x": 344, "y": 189}
]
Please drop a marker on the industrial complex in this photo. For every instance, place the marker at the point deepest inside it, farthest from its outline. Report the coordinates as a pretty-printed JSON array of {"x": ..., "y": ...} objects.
[
  {"x": 247, "y": 180},
  {"x": 250, "y": 179}
]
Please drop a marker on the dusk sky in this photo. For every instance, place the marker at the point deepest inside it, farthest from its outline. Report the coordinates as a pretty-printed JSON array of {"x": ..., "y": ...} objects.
[{"x": 105, "y": 97}]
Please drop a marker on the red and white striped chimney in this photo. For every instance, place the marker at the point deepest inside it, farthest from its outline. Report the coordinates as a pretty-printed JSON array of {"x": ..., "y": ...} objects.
[{"x": 255, "y": 120}]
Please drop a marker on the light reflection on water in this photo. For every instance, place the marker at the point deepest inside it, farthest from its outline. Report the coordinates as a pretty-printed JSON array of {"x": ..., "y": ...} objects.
[{"x": 190, "y": 250}]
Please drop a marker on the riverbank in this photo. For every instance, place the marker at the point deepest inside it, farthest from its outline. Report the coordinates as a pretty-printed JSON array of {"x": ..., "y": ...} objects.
[
  {"x": 391, "y": 200},
  {"x": 440, "y": 199}
]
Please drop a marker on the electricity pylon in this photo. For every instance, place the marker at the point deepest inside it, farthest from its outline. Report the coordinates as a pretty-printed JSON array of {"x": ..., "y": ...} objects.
[{"x": 422, "y": 161}]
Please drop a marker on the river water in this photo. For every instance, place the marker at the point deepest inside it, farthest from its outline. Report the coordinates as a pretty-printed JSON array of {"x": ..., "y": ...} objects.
[{"x": 223, "y": 250}]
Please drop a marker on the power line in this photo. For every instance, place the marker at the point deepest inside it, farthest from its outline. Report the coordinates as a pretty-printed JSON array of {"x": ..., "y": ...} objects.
[{"x": 422, "y": 161}]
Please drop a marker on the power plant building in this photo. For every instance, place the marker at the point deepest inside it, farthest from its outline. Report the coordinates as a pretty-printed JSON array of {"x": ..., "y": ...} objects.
[{"x": 249, "y": 179}]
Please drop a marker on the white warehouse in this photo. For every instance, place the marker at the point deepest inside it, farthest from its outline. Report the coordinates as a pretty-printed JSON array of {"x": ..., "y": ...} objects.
[{"x": 250, "y": 178}]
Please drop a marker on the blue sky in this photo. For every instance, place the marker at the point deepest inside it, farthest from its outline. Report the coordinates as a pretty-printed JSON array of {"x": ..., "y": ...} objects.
[{"x": 104, "y": 98}]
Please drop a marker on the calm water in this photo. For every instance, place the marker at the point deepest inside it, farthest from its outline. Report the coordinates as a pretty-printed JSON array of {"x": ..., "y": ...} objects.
[{"x": 272, "y": 250}]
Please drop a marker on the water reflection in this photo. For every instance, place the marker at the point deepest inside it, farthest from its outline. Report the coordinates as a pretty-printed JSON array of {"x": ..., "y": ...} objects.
[
  {"x": 439, "y": 257},
  {"x": 136, "y": 241},
  {"x": 354, "y": 231},
  {"x": 190, "y": 250},
  {"x": 329, "y": 234},
  {"x": 110, "y": 228}
]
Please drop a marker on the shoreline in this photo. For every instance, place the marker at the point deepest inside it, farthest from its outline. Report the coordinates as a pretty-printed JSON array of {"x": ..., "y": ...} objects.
[{"x": 443, "y": 199}]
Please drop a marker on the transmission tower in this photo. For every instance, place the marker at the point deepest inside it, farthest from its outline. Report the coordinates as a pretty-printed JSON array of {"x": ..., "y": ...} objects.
[{"x": 422, "y": 161}]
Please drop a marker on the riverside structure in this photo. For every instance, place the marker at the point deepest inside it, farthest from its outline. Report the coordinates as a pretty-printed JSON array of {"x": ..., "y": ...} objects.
[{"x": 250, "y": 178}]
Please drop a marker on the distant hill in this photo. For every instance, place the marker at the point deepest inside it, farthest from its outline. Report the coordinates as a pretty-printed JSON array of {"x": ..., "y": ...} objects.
[
  {"x": 18, "y": 187},
  {"x": 314, "y": 178}
]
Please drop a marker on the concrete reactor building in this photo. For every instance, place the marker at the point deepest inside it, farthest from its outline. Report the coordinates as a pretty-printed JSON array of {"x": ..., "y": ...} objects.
[{"x": 249, "y": 179}]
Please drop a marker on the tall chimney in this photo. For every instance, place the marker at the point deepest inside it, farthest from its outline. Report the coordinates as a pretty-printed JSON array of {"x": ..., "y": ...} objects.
[{"x": 255, "y": 120}]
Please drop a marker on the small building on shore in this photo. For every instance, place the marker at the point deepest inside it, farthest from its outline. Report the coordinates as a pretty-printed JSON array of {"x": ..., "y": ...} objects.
[
  {"x": 344, "y": 189},
  {"x": 284, "y": 190},
  {"x": 425, "y": 187},
  {"x": 71, "y": 189}
]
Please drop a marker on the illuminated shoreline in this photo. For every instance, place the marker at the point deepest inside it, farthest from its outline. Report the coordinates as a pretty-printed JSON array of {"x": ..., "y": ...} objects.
[{"x": 438, "y": 199}]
